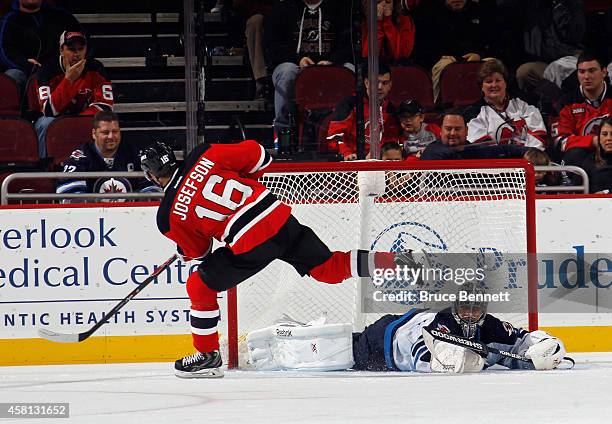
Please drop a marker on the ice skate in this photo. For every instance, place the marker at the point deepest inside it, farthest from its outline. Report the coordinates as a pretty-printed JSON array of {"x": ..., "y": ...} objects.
[{"x": 200, "y": 365}]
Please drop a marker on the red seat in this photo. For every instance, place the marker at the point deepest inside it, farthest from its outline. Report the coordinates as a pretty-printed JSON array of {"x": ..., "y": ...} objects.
[
  {"x": 459, "y": 84},
  {"x": 18, "y": 143},
  {"x": 65, "y": 134},
  {"x": 411, "y": 82},
  {"x": 9, "y": 99},
  {"x": 320, "y": 88}
]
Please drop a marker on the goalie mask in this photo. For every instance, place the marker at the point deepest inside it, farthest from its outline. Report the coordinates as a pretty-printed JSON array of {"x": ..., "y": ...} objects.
[
  {"x": 469, "y": 309},
  {"x": 157, "y": 160}
]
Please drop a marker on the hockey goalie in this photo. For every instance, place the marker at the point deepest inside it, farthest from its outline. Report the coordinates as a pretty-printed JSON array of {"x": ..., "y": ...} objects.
[{"x": 405, "y": 343}]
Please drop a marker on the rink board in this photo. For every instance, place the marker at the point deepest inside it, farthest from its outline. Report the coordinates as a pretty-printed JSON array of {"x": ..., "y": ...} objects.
[{"x": 61, "y": 268}]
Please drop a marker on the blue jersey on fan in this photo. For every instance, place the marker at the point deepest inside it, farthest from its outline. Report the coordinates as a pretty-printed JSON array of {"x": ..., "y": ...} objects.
[
  {"x": 395, "y": 342},
  {"x": 87, "y": 159}
]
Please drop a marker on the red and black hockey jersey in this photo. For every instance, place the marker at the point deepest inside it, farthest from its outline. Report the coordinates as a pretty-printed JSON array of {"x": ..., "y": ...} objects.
[
  {"x": 343, "y": 125},
  {"x": 89, "y": 94},
  {"x": 580, "y": 118},
  {"x": 215, "y": 194}
]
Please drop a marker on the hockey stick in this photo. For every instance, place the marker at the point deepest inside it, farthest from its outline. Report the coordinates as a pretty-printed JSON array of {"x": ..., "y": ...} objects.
[
  {"x": 480, "y": 348},
  {"x": 483, "y": 350},
  {"x": 79, "y": 337}
]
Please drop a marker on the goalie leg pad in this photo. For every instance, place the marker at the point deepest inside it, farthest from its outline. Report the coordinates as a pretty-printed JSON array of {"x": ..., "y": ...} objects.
[{"x": 312, "y": 348}]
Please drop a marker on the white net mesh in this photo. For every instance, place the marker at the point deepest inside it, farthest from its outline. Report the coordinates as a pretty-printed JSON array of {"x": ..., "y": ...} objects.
[{"x": 434, "y": 211}]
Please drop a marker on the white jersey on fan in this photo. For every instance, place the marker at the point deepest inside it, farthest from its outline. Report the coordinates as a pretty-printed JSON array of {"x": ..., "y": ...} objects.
[{"x": 521, "y": 123}]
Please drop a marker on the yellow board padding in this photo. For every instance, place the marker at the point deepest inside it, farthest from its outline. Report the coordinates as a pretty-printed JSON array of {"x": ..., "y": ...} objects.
[
  {"x": 96, "y": 350},
  {"x": 584, "y": 338},
  {"x": 162, "y": 348}
]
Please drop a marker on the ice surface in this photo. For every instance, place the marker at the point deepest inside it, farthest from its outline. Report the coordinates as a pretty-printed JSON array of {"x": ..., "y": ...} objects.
[{"x": 149, "y": 393}]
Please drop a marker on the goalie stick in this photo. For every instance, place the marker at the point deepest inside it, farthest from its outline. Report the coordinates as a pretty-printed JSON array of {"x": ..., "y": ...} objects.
[
  {"x": 79, "y": 337},
  {"x": 481, "y": 348}
]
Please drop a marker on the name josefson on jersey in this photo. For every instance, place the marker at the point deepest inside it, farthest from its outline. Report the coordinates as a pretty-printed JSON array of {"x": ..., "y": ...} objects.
[{"x": 191, "y": 187}]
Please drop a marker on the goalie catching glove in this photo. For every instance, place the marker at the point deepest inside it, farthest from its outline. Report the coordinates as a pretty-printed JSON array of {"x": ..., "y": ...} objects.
[{"x": 544, "y": 350}]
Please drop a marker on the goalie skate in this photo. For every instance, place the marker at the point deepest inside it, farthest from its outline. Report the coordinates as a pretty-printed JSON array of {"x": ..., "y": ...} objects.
[{"x": 199, "y": 365}]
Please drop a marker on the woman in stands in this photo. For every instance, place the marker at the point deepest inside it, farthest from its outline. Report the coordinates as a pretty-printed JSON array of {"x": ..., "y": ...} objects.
[
  {"x": 396, "y": 32},
  {"x": 596, "y": 161},
  {"x": 499, "y": 117}
]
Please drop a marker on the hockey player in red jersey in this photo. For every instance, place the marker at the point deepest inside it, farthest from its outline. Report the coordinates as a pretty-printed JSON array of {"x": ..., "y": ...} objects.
[{"x": 216, "y": 194}]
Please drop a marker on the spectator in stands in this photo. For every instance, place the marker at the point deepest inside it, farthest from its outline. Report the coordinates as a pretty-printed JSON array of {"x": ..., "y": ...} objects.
[
  {"x": 453, "y": 137},
  {"x": 596, "y": 161},
  {"x": 28, "y": 37},
  {"x": 553, "y": 29},
  {"x": 453, "y": 143},
  {"x": 254, "y": 12},
  {"x": 416, "y": 134},
  {"x": 395, "y": 30},
  {"x": 105, "y": 152},
  {"x": 583, "y": 109},
  {"x": 538, "y": 158},
  {"x": 391, "y": 151},
  {"x": 500, "y": 118},
  {"x": 72, "y": 85},
  {"x": 303, "y": 33},
  {"x": 451, "y": 31},
  {"x": 342, "y": 127}
]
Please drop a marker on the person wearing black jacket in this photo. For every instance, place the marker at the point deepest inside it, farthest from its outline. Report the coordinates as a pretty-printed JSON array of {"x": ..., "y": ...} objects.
[
  {"x": 597, "y": 162},
  {"x": 453, "y": 144},
  {"x": 28, "y": 37},
  {"x": 451, "y": 31},
  {"x": 301, "y": 33}
]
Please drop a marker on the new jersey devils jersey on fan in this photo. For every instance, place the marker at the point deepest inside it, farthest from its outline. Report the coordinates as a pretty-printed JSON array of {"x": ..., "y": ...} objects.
[
  {"x": 89, "y": 94},
  {"x": 580, "y": 118},
  {"x": 215, "y": 194},
  {"x": 521, "y": 123}
]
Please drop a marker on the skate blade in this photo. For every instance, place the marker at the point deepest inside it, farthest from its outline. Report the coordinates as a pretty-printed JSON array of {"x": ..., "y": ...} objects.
[{"x": 207, "y": 373}]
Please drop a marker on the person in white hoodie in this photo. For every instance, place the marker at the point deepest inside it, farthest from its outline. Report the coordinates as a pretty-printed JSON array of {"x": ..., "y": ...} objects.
[{"x": 301, "y": 33}]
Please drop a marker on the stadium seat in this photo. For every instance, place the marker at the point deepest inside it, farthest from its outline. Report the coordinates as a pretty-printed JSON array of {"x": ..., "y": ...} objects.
[
  {"x": 19, "y": 153},
  {"x": 9, "y": 99},
  {"x": 318, "y": 89},
  {"x": 458, "y": 84},
  {"x": 18, "y": 144},
  {"x": 65, "y": 134},
  {"x": 411, "y": 82}
]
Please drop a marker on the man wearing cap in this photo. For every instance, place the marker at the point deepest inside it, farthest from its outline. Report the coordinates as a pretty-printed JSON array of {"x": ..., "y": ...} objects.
[
  {"x": 416, "y": 134},
  {"x": 71, "y": 85},
  {"x": 28, "y": 37}
]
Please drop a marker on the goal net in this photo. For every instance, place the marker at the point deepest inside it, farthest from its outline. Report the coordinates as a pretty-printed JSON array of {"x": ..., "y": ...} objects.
[{"x": 451, "y": 214}]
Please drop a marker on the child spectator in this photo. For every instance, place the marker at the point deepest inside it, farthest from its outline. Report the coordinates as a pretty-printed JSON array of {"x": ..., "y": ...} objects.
[
  {"x": 538, "y": 158},
  {"x": 416, "y": 134}
]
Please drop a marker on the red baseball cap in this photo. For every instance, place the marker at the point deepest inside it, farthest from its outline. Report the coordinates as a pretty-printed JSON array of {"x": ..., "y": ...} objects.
[{"x": 71, "y": 37}]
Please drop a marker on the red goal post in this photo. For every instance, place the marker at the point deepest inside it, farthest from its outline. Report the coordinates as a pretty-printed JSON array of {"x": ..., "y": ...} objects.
[{"x": 440, "y": 206}]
